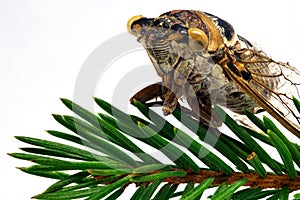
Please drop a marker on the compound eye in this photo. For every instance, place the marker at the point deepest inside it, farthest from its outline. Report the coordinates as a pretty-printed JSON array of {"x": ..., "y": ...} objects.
[
  {"x": 131, "y": 21},
  {"x": 197, "y": 36}
]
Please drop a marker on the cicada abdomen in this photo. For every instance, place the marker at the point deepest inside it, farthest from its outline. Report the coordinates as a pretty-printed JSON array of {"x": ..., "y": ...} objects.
[{"x": 200, "y": 58}]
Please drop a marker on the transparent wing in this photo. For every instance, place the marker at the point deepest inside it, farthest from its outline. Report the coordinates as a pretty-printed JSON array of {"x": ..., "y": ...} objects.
[{"x": 272, "y": 84}]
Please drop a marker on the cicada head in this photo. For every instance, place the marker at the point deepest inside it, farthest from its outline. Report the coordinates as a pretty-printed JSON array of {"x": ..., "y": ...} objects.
[
  {"x": 175, "y": 35},
  {"x": 194, "y": 24}
]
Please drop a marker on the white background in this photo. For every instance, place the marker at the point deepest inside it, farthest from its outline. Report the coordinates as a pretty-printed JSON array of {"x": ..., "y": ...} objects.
[{"x": 43, "y": 45}]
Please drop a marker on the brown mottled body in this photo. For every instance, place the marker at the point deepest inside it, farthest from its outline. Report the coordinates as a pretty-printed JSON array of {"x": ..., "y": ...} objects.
[{"x": 200, "y": 58}]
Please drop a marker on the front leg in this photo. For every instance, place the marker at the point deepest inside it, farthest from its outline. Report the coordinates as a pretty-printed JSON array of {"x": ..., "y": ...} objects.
[
  {"x": 148, "y": 93},
  {"x": 169, "y": 98}
]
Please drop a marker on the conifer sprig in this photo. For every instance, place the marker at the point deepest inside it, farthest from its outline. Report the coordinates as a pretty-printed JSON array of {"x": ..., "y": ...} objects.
[{"x": 109, "y": 153}]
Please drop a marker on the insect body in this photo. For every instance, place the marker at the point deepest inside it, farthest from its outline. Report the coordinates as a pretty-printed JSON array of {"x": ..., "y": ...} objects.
[{"x": 201, "y": 58}]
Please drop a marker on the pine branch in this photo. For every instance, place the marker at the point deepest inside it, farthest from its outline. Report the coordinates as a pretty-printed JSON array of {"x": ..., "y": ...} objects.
[
  {"x": 253, "y": 179},
  {"x": 102, "y": 163}
]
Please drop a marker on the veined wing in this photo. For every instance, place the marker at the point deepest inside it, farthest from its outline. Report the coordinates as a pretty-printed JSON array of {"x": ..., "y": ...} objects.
[{"x": 272, "y": 84}]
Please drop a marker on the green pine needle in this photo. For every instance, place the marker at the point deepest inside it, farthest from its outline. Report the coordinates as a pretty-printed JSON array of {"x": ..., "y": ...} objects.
[
  {"x": 197, "y": 191},
  {"x": 228, "y": 192},
  {"x": 100, "y": 163}
]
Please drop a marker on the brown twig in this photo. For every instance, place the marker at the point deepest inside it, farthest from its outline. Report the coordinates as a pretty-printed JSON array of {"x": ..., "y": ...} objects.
[{"x": 254, "y": 180}]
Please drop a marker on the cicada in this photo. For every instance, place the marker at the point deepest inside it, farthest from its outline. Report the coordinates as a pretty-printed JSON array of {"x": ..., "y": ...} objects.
[{"x": 200, "y": 58}]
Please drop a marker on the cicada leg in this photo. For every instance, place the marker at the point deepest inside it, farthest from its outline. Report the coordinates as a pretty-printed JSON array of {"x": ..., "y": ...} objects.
[
  {"x": 148, "y": 93},
  {"x": 169, "y": 98},
  {"x": 204, "y": 114}
]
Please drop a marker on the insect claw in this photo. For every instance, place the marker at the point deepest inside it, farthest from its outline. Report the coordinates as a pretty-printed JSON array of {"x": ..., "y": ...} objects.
[{"x": 166, "y": 111}]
